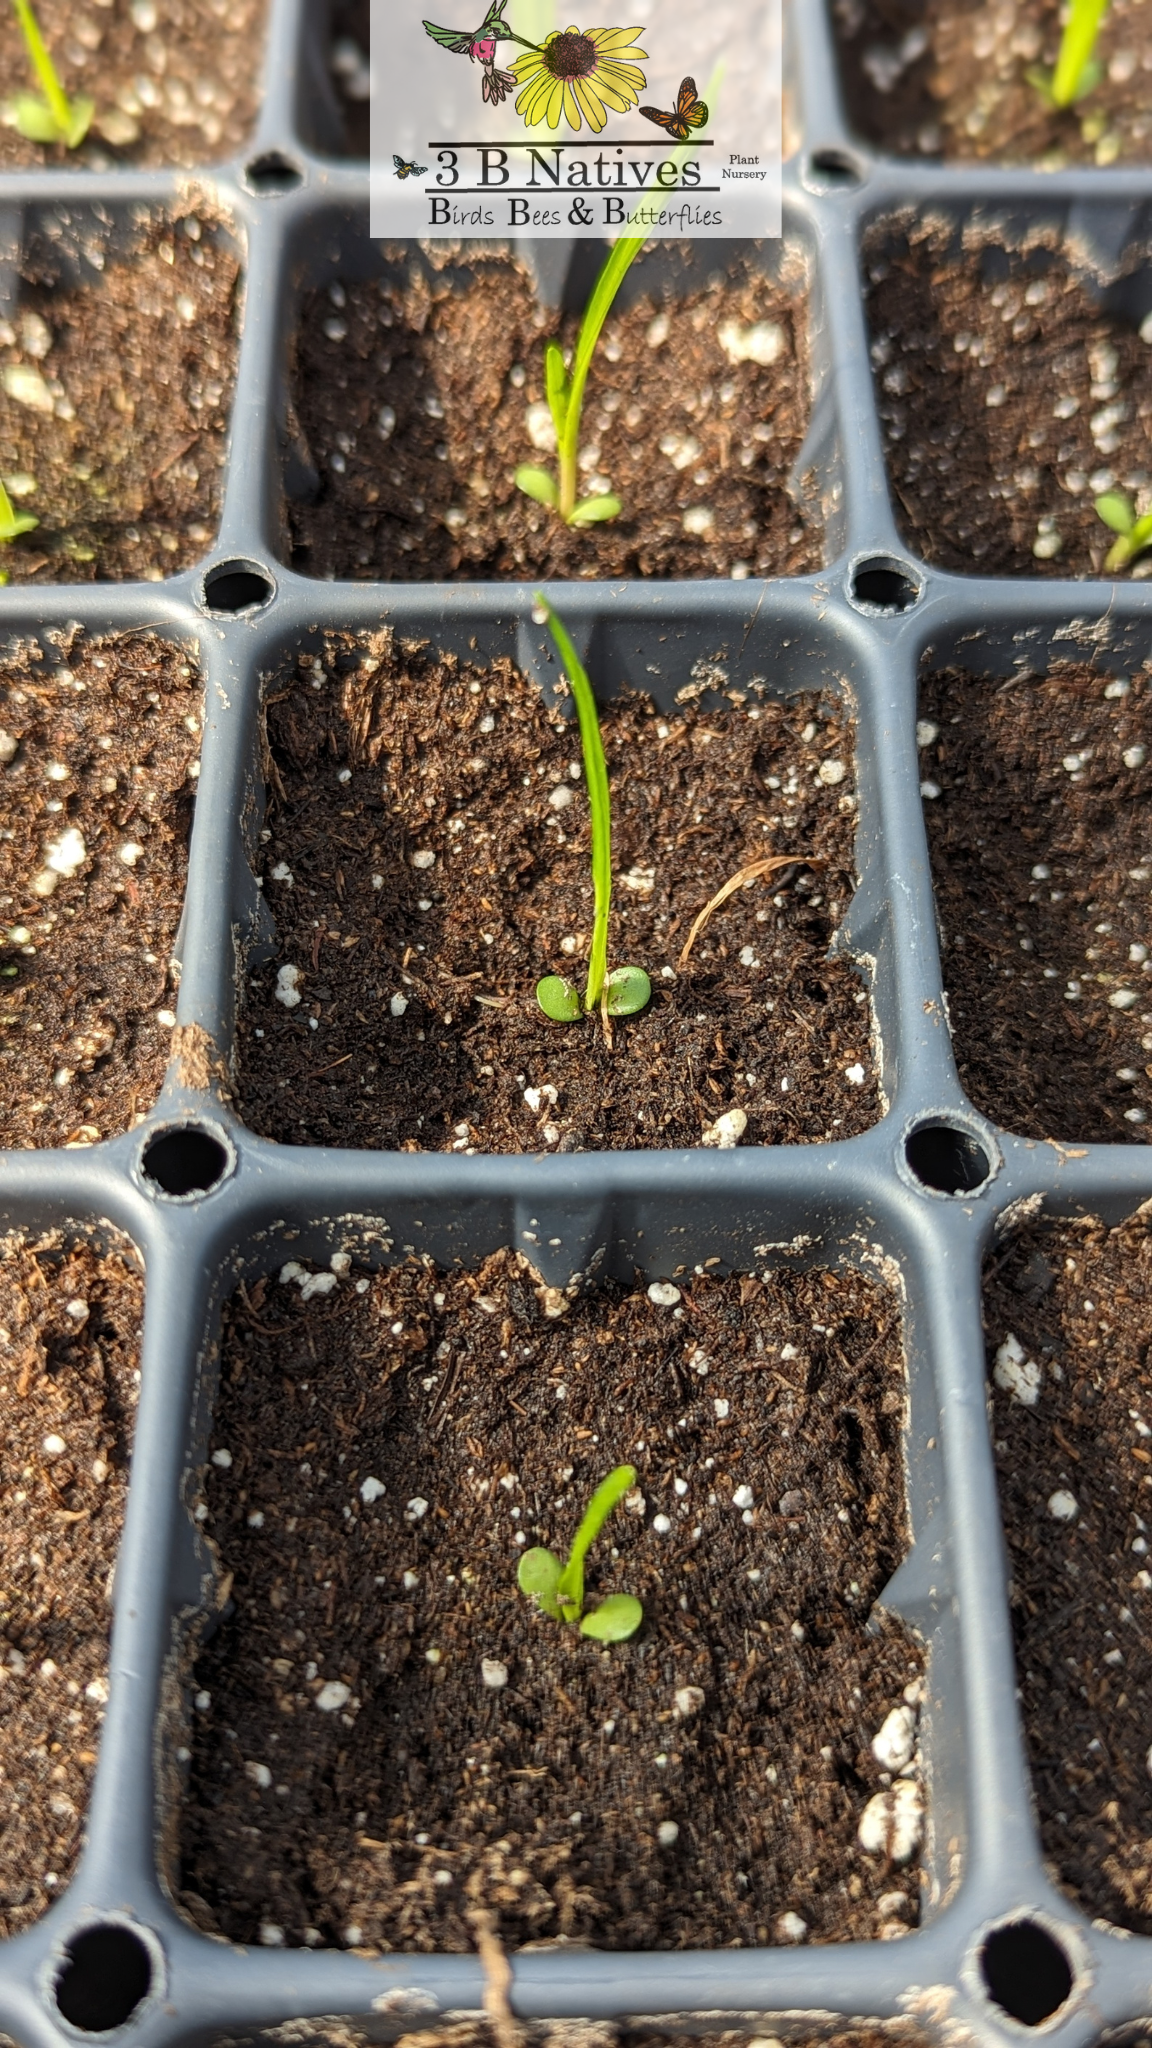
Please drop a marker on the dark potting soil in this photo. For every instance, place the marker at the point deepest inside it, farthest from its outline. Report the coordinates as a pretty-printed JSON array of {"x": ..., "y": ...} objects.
[
  {"x": 426, "y": 859},
  {"x": 1076, "y": 1299},
  {"x": 950, "y": 78},
  {"x": 69, "y": 1335},
  {"x": 378, "y": 1460},
  {"x": 1008, "y": 403},
  {"x": 114, "y": 403},
  {"x": 1041, "y": 842},
  {"x": 98, "y": 745},
  {"x": 603, "y": 2034},
  {"x": 449, "y": 366},
  {"x": 471, "y": 2033},
  {"x": 174, "y": 81},
  {"x": 351, "y": 38}
]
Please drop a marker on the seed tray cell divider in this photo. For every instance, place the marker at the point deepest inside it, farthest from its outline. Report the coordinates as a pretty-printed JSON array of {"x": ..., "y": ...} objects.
[{"x": 915, "y": 1201}]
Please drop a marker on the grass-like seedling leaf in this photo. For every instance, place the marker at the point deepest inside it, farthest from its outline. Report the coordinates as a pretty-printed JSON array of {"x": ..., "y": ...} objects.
[
  {"x": 565, "y": 394},
  {"x": 559, "y": 1590},
  {"x": 49, "y": 115},
  {"x": 628, "y": 989},
  {"x": 1133, "y": 534},
  {"x": 1078, "y": 70}
]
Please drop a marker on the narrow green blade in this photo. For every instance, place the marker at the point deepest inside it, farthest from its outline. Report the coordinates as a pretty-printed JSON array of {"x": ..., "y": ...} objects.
[
  {"x": 609, "y": 1491},
  {"x": 599, "y": 802},
  {"x": 556, "y": 386}
]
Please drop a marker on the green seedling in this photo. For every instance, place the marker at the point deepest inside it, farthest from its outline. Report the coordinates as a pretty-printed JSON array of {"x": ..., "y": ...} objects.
[
  {"x": 565, "y": 393},
  {"x": 558, "y": 1589},
  {"x": 48, "y": 115},
  {"x": 627, "y": 989},
  {"x": 12, "y": 525},
  {"x": 1078, "y": 69},
  {"x": 1133, "y": 534}
]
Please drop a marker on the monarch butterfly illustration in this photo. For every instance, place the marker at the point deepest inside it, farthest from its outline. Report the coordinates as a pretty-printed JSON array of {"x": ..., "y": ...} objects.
[
  {"x": 404, "y": 170},
  {"x": 690, "y": 112}
]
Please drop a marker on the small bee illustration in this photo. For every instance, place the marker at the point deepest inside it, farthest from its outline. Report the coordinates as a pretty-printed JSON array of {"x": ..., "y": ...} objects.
[
  {"x": 691, "y": 112},
  {"x": 404, "y": 170}
]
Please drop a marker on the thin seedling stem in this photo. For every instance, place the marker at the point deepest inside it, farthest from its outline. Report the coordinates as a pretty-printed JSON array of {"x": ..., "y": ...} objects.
[
  {"x": 599, "y": 805},
  {"x": 43, "y": 66},
  {"x": 1076, "y": 47},
  {"x": 621, "y": 256}
]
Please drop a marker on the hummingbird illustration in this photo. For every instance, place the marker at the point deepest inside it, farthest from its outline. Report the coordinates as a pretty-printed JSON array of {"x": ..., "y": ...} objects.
[{"x": 480, "y": 46}]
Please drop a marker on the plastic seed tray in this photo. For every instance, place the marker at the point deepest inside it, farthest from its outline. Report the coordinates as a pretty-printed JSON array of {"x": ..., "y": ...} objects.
[{"x": 1001, "y": 1952}]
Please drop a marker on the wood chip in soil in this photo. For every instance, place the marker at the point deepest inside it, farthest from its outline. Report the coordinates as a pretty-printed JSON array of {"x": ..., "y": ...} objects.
[
  {"x": 1008, "y": 399},
  {"x": 174, "y": 81},
  {"x": 1067, "y": 1312},
  {"x": 69, "y": 1345},
  {"x": 349, "y": 47},
  {"x": 379, "y": 1458},
  {"x": 949, "y": 78},
  {"x": 1041, "y": 844},
  {"x": 97, "y": 745},
  {"x": 427, "y": 860},
  {"x": 412, "y": 392},
  {"x": 114, "y": 404}
]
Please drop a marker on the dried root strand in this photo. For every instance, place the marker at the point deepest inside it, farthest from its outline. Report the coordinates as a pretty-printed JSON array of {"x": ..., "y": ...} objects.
[
  {"x": 753, "y": 872},
  {"x": 497, "y": 1978}
]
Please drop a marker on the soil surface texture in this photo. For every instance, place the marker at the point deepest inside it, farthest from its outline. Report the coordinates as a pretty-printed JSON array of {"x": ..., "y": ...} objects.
[
  {"x": 379, "y": 1458},
  {"x": 426, "y": 860},
  {"x": 413, "y": 395},
  {"x": 351, "y": 38},
  {"x": 950, "y": 78},
  {"x": 69, "y": 1336},
  {"x": 1041, "y": 838},
  {"x": 96, "y": 801},
  {"x": 1075, "y": 1469},
  {"x": 1008, "y": 403},
  {"x": 603, "y": 2034},
  {"x": 114, "y": 404},
  {"x": 174, "y": 81}
]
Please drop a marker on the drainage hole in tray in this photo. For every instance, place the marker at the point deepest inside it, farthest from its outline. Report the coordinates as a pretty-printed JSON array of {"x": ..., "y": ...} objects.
[
  {"x": 233, "y": 587},
  {"x": 106, "y": 1972},
  {"x": 884, "y": 586},
  {"x": 272, "y": 173},
  {"x": 1026, "y": 1971},
  {"x": 187, "y": 1161},
  {"x": 947, "y": 1159},
  {"x": 833, "y": 169}
]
